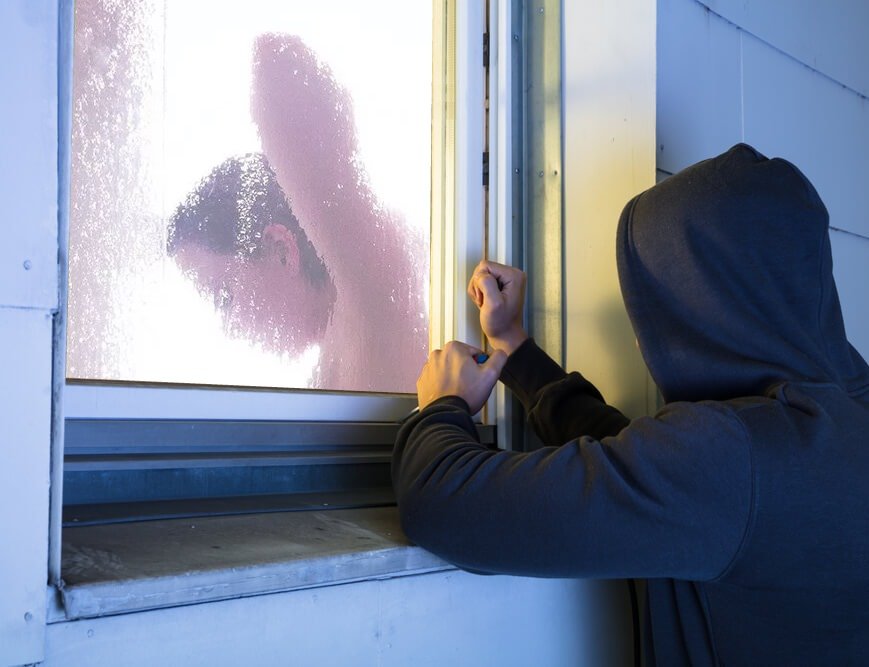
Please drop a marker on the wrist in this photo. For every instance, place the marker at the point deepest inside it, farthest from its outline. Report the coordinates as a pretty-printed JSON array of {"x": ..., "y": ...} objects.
[
  {"x": 510, "y": 341},
  {"x": 452, "y": 400}
]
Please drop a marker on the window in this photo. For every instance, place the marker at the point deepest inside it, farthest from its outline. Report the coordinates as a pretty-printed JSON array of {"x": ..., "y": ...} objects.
[
  {"x": 250, "y": 193},
  {"x": 190, "y": 376}
]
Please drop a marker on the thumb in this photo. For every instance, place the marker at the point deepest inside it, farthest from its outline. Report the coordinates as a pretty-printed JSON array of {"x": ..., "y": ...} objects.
[
  {"x": 488, "y": 285},
  {"x": 496, "y": 362}
]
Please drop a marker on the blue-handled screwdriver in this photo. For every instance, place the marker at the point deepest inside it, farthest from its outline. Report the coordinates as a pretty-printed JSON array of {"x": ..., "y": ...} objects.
[{"x": 480, "y": 358}]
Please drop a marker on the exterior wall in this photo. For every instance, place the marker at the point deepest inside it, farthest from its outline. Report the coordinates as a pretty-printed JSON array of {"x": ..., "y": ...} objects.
[
  {"x": 718, "y": 83},
  {"x": 28, "y": 297},
  {"x": 790, "y": 79},
  {"x": 609, "y": 156},
  {"x": 433, "y": 620}
]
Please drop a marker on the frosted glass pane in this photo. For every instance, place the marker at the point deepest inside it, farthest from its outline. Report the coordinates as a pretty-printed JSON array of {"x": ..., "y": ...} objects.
[{"x": 250, "y": 193}]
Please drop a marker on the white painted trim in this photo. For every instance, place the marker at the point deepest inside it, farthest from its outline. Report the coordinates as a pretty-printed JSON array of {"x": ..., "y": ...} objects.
[
  {"x": 120, "y": 402},
  {"x": 25, "y": 408},
  {"x": 609, "y": 83},
  {"x": 443, "y": 172},
  {"x": 458, "y": 230},
  {"x": 500, "y": 222},
  {"x": 470, "y": 142},
  {"x": 500, "y": 129},
  {"x": 58, "y": 380}
]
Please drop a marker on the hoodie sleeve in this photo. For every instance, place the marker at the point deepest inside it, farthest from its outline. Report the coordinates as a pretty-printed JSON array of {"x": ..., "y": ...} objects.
[
  {"x": 560, "y": 406},
  {"x": 668, "y": 497}
]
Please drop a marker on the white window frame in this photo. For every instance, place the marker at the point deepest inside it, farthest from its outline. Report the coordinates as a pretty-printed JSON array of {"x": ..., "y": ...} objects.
[{"x": 458, "y": 235}]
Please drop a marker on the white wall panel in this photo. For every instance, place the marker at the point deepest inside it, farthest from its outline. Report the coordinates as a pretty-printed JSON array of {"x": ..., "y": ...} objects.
[
  {"x": 823, "y": 128},
  {"x": 609, "y": 156},
  {"x": 28, "y": 153},
  {"x": 25, "y": 415},
  {"x": 437, "y": 620},
  {"x": 830, "y": 36},
  {"x": 699, "y": 79},
  {"x": 851, "y": 269},
  {"x": 28, "y": 283}
]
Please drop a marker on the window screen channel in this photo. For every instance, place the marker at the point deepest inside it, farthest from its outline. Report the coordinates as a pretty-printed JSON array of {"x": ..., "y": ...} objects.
[
  {"x": 140, "y": 469},
  {"x": 128, "y": 469},
  {"x": 250, "y": 193}
]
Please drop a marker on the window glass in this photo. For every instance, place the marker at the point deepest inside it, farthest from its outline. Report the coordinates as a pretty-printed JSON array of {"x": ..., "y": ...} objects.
[{"x": 250, "y": 193}]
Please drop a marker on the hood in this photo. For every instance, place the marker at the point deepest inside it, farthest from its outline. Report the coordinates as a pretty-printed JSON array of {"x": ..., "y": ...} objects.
[{"x": 727, "y": 276}]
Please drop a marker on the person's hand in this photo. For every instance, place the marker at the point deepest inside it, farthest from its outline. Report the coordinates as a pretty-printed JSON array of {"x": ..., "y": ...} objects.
[
  {"x": 499, "y": 292},
  {"x": 453, "y": 371}
]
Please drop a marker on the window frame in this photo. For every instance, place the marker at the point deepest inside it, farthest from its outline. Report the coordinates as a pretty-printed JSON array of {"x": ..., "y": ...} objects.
[
  {"x": 457, "y": 243},
  {"x": 461, "y": 235}
]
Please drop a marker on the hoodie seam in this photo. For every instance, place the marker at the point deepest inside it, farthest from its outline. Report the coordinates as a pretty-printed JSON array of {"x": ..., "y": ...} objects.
[
  {"x": 748, "y": 530},
  {"x": 823, "y": 294}
]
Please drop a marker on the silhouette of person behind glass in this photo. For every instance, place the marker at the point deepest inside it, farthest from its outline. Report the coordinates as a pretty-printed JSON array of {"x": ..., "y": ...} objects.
[{"x": 293, "y": 244}]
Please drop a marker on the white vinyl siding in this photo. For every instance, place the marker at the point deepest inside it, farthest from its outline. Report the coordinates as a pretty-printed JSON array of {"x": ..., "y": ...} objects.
[{"x": 790, "y": 79}]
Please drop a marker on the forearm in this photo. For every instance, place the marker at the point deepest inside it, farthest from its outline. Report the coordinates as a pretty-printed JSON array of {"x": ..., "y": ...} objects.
[
  {"x": 486, "y": 510},
  {"x": 624, "y": 507},
  {"x": 464, "y": 501},
  {"x": 560, "y": 406},
  {"x": 424, "y": 474}
]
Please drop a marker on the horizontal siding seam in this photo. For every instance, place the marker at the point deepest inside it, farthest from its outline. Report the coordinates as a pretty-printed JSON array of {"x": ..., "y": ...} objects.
[{"x": 859, "y": 94}]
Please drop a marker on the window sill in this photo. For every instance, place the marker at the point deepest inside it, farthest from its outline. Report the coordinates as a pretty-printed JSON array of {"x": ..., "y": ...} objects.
[{"x": 116, "y": 569}]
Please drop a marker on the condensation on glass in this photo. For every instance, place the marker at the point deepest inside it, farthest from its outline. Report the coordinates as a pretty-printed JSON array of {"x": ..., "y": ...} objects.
[{"x": 250, "y": 193}]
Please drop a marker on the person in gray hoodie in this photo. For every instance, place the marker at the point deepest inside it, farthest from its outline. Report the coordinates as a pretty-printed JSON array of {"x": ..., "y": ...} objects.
[{"x": 744, "y": 502}]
